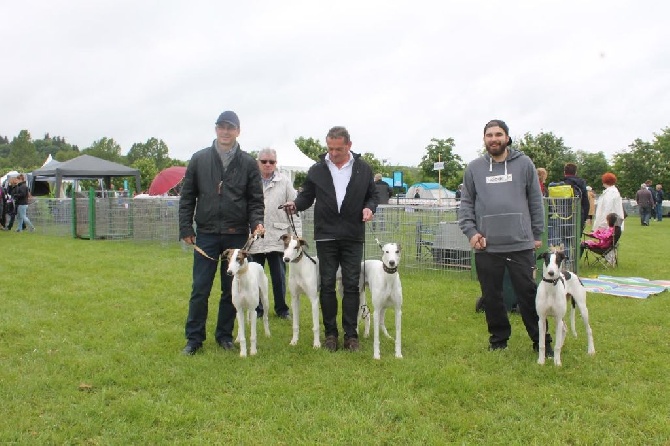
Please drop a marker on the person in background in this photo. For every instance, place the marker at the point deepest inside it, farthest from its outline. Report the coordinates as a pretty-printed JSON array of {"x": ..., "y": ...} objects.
[
  {"x": 222, "y": 194},
  {"x": 579, "y": 186},
  {"x": 658, "y": 199},
  {"x": 645, "y": 203},
  {"x": 20, "y": 197},
  {"x": 384, "y": 191},
  {"x": 542, "y": 178},
  {"x": 608, "y": 202},
  {"x": 3, "y": 208},
  {"x": 592, "y": 204},
  {"x": 502, "y": 215},
  {"x": 649, "y": 185},
  {"x": 459, "y": 192},
  {"x": 342, "y": 186},
  {"x": 603, "y": 237},
  {"x": 277, "y": 190},
  {"x": 12, "y": 184},
  {"x": 417, "y": 194}
]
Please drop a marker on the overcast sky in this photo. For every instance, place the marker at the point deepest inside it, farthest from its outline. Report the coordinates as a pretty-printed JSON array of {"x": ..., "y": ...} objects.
[{"x": 395, "y": 73}]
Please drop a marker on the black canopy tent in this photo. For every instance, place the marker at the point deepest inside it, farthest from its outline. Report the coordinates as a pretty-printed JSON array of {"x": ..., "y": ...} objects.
[{"x": 84, "y": 167}]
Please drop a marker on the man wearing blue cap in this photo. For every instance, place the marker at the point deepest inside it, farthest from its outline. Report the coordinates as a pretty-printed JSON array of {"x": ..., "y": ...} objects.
[{"x": 223, "y": 194}]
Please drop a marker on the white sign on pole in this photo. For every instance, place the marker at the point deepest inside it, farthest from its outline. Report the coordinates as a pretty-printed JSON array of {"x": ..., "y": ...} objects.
[{"x": 438, "y": 166}]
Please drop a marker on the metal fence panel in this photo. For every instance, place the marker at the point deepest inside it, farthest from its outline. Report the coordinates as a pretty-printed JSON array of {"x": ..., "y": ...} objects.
[{"x": 428, "y": 235}]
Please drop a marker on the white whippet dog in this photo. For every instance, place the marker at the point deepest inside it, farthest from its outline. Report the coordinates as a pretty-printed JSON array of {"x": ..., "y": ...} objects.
[
  {"x": 249, "y": 287},
  {"x": 383, "y": 279},
  {"x": 303, "y": 278},
  {"x": 552, "y": 300}
]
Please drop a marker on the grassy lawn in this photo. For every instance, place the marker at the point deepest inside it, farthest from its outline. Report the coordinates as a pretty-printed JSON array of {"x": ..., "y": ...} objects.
[{"x": 91, "y": 331}]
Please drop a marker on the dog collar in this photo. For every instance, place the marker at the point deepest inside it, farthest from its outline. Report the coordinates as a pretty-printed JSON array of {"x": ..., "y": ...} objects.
[
  {"x": 389, "y": 270},
  {"x": 554, "y": 282},
  {"x": 297, "y": 259}
]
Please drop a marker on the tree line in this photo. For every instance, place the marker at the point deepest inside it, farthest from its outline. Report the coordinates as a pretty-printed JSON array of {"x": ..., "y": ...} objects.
[
  {"x": 24, "y": 154},
  {"x": 640, "y": 161}
]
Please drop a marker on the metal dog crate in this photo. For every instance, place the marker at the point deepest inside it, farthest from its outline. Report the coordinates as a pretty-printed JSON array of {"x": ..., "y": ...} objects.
[{"x": 451, "y": 247}]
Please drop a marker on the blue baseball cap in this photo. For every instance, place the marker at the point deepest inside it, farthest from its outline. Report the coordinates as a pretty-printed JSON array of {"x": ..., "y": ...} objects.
[{"x": 230, "y": 117}]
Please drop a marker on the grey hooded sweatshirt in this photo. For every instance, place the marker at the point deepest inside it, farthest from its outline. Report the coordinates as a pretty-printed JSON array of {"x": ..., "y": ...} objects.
[{"x": 503, "y": 202}]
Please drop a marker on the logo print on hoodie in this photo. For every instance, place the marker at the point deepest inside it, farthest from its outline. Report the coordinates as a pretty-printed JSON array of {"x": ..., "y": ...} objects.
[{"x": 499, "y": 179}]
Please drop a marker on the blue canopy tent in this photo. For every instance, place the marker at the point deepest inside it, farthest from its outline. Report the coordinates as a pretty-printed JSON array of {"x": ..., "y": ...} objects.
[{"x": 431, "y": 191}]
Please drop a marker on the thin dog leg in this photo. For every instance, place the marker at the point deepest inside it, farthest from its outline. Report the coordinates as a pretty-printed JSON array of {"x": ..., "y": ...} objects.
[
  {"x": 295, "y": 308},
  {"x": 382, "y": 324},
  {"x": 240, "y": 333},
  {"x": 376, "y": 314},
  {"x": 315, "y": 323},
  {"x": 591, "y": 350},
  {"x": 398, "y": 317},
  {"x": 363, "y": 311},
  {"x": 252, "y": 334},
  {"x": 560, "y": 338},
  {"x": 542, "y": 326},
  {"x": 266, "y": 320}
]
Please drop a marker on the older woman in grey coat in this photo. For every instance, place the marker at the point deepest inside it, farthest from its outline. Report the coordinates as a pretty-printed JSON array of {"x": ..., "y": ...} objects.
[{"x": 277, "y": 190}]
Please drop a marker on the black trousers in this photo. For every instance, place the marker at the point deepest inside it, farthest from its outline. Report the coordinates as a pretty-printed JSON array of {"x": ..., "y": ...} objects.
[
  {"x": 490, "y": 271},
  {"x": 348, "y": 255}
]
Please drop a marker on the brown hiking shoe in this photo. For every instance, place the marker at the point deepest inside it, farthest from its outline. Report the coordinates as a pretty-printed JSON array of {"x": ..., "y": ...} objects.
[
  {"x": 351, "y": 344},
  {"x": 331, "y": 343}
]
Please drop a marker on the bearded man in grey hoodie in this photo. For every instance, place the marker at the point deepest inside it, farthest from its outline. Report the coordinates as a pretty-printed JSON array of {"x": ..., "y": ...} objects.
[{"x": 502, "y": 216}]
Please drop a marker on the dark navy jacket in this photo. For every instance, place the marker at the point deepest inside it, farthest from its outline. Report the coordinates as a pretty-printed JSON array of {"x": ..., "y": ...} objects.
[{"x": 229, "y": 202}]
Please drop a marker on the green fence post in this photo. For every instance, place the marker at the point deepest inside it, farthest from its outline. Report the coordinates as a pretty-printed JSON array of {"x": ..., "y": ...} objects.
[
  {"x": 74, "y": 214},
  {"x": 91, "y": 213}
]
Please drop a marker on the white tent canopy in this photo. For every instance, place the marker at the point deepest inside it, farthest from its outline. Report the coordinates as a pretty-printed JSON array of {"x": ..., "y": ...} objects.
[
  {"x": 432, "y": 191},
  {"x": 289, "y": 155},
  {"x": 8, "y": 175},
  {"x": 290, "y": 159}
]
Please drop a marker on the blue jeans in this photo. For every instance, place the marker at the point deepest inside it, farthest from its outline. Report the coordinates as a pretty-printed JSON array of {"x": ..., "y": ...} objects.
[
  {"x": 23, "y": 218},
  {"x": 278, "y": 275},
  {"x": 333, "y": 254},
  {"x": 204, "y": 271},
  {"x": 659, "y": 211}
]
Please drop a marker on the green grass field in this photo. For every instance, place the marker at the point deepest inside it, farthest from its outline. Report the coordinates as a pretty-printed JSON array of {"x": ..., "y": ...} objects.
[{"x": 91, "y": 333}]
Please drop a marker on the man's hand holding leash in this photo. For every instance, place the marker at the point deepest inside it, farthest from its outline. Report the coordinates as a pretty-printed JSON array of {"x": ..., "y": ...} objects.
[
  {"x": 259, "y": 231},
  {"x": 289, "y": 207},
  {"x": 189, "y": 239},
  {"x": 368, "y": 215},
  {"x": 478, "y": 242}
]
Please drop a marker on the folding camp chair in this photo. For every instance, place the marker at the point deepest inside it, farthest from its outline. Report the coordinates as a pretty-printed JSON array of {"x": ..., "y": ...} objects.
[
  {"x": 424, "y": 243},
  {"x": 607, "y": 257}
]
